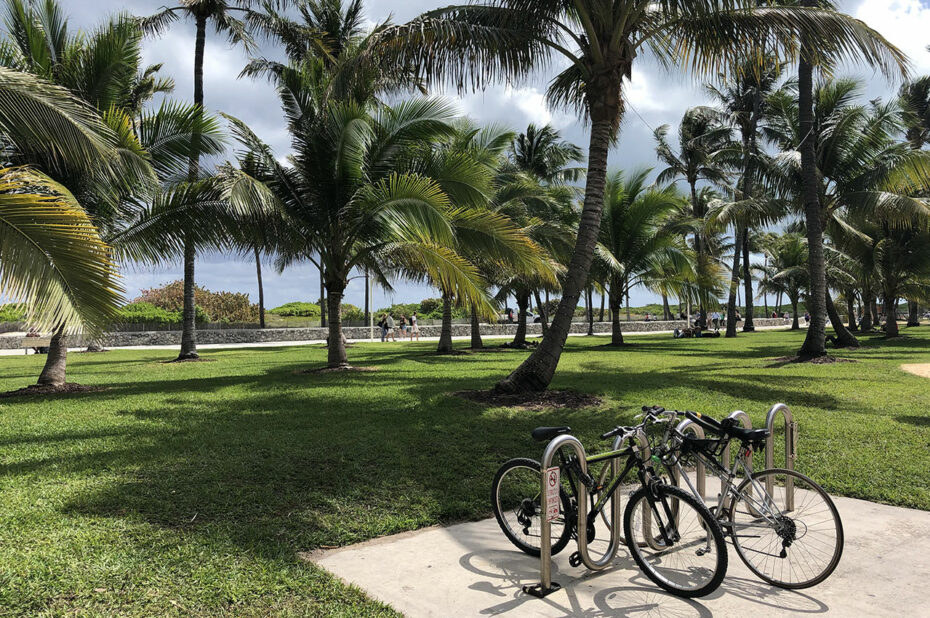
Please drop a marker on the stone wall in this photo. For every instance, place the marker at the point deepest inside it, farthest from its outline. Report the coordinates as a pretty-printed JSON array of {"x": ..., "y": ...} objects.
[{"x": 319, "y": 334}]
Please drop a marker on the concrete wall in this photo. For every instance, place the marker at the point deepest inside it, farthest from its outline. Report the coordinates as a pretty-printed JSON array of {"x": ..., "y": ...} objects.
[{"x": 318, "y": 334}]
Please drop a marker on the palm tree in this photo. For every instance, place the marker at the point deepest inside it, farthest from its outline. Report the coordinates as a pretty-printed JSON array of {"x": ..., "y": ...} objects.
[
  {"x": 52, "y": 258},
  {"x": 702, "y": 136},
  {"x": 743, "y": 98},
  {"x": 221, "y": 14},
  {"x": 103, "y": 68},
  {"x": 788, "y": 258},
  {"x": 814, "y": 53},
  {"x": 472, "y": 45},
  {"x": 640, "y": 235},
  {"x": 862, "y": 170},
  {"x": 914, "y": 99}
]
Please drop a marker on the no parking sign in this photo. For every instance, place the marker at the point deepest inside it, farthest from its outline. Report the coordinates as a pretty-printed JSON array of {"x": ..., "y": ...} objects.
[{"x": 552, "y": 493}]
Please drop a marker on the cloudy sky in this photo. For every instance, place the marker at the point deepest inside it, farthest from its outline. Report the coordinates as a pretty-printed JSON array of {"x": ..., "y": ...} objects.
[{"x": 655, "y": 98}]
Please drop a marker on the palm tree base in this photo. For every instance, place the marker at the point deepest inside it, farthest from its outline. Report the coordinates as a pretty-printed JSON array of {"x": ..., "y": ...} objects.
[
  {"x": 51, "y": 389},
  {"x": 187, "y": 357},
  {"x": 911, "y": 324}
]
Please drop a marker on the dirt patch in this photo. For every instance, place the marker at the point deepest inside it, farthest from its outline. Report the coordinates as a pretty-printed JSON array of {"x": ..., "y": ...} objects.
[
  {"x": 324, "y": 370},
  {"x": 572, "y": 400},
  {"x": 819, "y": 360},
  {"x": 918, "y": 369},
  {"x": 189, "y": 360},
  {"x": 65, "y": 389}
]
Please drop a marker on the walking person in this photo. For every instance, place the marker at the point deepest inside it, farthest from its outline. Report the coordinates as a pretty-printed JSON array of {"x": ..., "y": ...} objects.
[
  {"x": 403, "y": 326},
  {"x": 414, "y": 327},
  {"x": 391, "y": 327}
]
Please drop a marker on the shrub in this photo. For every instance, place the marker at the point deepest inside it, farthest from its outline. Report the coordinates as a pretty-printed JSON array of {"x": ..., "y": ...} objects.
[
  {"x": 221, "y": 306},
  {"x": 352, "y": 313},
  {"x": 297, "y": 309},
  {"x": 11, "y": 313},
  {"x": 429, "y": 306},
  {"x": 147, "y": 313}
]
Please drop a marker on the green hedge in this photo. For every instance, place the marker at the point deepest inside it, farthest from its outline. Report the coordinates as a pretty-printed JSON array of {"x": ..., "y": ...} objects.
[
  {"x": 147, "y": 313},
  {"x": 11, "y": 313},
  {"x": 297, "y": 309}
]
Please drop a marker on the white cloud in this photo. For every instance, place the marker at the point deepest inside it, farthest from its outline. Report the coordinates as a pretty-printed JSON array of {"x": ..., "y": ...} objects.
[{"x": 906, "y": 23}]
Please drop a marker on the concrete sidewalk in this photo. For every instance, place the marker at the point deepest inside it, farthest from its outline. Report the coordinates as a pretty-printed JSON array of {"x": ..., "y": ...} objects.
[{"x": 472, "y": 570}]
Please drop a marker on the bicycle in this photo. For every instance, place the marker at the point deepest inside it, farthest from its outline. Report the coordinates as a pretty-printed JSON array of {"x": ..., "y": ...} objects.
[
  {"x": 671, "y": 536},
  {"x": 791, "y": 546}
]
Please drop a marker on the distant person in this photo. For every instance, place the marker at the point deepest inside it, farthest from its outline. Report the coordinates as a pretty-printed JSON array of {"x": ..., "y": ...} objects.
[
  {"x": 715, "y": 317},
  {"x": 774, "y": 315},
  {"x": 647, "y": 317},
  {"x": 510, "y": 315},
  {"x": 403, "y": 325},
  {"x": 382, "y": 324},
  {"x": 739, "y": 318},
  {"x": 807, "y": 317},
  {"x": 391, "y": 327},
  {"x": 414, "y": 327}
]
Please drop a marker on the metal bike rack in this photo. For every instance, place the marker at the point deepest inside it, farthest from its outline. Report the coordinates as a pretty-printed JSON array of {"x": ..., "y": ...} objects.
[
  {"x": 746, "y": 422},
  {"x": 791, "y": 435},
  {"x": 546, "y": 585},
  {"x": 699, "y": 471}
]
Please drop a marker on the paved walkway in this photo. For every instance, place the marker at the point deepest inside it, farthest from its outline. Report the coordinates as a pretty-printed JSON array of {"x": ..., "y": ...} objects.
[
  {"x": 472, "y": 570},
  {"x": 279, "y": 344}
]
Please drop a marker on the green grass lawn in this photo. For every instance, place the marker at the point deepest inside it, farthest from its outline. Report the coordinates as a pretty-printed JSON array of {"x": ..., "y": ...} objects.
[{"x": 192, "y": 488}]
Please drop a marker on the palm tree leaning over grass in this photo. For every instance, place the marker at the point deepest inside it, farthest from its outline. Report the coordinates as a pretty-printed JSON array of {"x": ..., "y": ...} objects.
[
  {"x": 640, "y": 234},
  {"x": 103, "y": 68},
  {"x": 472, "y": 45},
  {"x": 221, "y": 14},
  {"x": 52, "y": 258}
]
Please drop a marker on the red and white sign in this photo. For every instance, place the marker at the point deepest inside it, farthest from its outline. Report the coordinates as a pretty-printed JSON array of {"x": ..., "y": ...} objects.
[{"x": 553, "y": 503}]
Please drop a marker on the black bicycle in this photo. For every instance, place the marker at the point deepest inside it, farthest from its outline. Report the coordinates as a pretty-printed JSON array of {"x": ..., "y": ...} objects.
[{"x": 672, "y": 536}]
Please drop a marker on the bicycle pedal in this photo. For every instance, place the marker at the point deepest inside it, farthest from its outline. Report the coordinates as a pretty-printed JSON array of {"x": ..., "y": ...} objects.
[{"x": 575, "y": 559}]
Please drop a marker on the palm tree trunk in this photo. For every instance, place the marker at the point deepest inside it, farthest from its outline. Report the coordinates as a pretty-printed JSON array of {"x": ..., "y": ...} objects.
[
  {"x": 476, "y": 342},
  {"x": 748, "y": 326},
  {"x": 666, "y": 310},
  {"x": 873, "y": 307},
  {"x": 867, "y": 314},
  {"x": 590, "y": 303},
  {"x": 629, "y": 318},
  {"x": 53, "y": 373},
  {"x": 913, "y": 313},
  {"x": 851, "y": 311},
  {"x": 261, "y": 289},
  {"x": 535, "y": 373},
  {"x": 523, "y": 301},
  {"x": 891, "y": 316},
  {"x": 189, "y": 326},
  {"x": 445, "y": 334},
  {"x": 814, "y": 342},
  {"x": 543, "y": 317},
  {"x": 322, "y": 298},
  {"x": 616, "y": 334},
  {"x": 336, "y": 355},
  {"x": 734, "y": 283},
  {"x": 600, "y": 317},
  {"x": 367, "y": 299},
  {"x": 795, "y": 325},
  {"x": 844, "y": 338}
]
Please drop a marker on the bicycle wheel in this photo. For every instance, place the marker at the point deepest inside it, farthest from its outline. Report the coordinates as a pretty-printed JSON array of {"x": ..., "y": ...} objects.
[
  {"x": 515, "y": 499},
  {"x": 606, "y": 477},
  {"x": 791, "y": 549},
  {"x": 695, "y": 562}
]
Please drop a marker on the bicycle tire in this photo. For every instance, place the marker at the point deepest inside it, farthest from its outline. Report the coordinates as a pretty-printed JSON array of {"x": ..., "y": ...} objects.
[
  {"x": 761, "y": 562},
  {"x": 507, "y": 514},
  {"x": 665, "y": 567}
]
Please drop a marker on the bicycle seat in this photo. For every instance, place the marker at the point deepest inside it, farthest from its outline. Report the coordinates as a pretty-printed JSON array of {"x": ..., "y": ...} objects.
[
  {"x": 544, "y": 434},
  {"x": 748, "y": 435}
]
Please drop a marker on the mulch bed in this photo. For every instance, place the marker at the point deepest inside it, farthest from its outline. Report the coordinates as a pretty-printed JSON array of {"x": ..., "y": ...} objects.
[
  {"x": 572, "y": 400},
  {"x": 323, "y": 370},
  {"x": 66, "y": 389}
]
